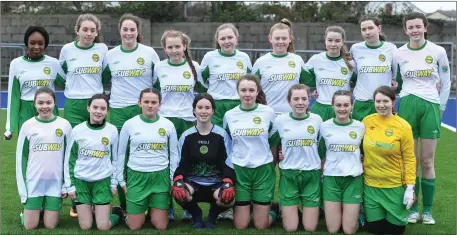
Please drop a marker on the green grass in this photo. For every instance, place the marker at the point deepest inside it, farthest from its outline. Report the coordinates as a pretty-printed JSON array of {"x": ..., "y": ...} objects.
[{"x": 443, "y": 210}]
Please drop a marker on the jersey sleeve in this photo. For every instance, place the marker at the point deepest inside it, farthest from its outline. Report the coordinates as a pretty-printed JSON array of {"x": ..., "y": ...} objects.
[
  {"x": 248, "y": 64},
  {"x": 228, "y": 148},
  {"x": 60, "y": 75},
  {"x": 114, "y": 156},
  {"x": 22, "y": 156},
  {"x": 106, "y": 74},
  {"x": 204, "y": 67},
  {"x": 71, "y": 155},
  {"x": 256, "y": 69},
  {"x": 122, "y": 153},
  {"x": 308, "y": 76},
  {"x": 155, "y": 78},
  {"x": 227, "y": 171},
  {"x": 60, "y": 81},
  {"x": 407, "y": 155},
  {"x": 397, "y": 72},
  {"x": 14, "y": 100},
  {"x": 273, "y": 135},
  {"x": 200, "y": 85},
  {"x": 321, "y": 147},
  {"x": 445, "y": 78},
  {"x": 173, "y": 150},
  {"x": 155, "y": 60}
]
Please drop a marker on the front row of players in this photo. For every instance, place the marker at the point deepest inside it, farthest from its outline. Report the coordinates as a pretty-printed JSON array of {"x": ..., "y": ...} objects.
[{"x": 209, "y": 164}]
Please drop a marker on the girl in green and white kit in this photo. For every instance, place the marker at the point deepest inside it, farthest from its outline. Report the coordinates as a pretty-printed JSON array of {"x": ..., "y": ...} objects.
[
  {"x": 90, "y": 166},
  {"x": 27, "y": 74}
]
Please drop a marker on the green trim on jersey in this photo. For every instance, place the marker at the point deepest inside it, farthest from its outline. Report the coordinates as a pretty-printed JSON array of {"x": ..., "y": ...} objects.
[
  {"x": 226, "y": 55},
  {"x": 343, "y": 124},
  {"x": 374, "y": 47},
  {"x": 275, "y": 139},
  {"x": 144, "y": 119},
  {"x": 84, "y": 48},
  {"x": 25, "y": 159},
  {"x": 353, "y": 80},
  {"x": 34, "y": 61},
  {"x": 308, "y": 77},
  {"x": 95, "y": 128},
  {"x": 205, "y": 74},
  {"x": 249, "y": 110},
  {"x": 15, "y": 105},
  {"x": 46, "y": 121},
  {"x": 279, "y": 56},
  {"x": 321, "y": 148},
  {"x": 72, "y": 162},
  {"x": 60, "y": 82},
  {"x": 65, "y": 67},
  {"x": 130, "y": 51},
  {"x": 179, "y": 64},
  {"x": 299, "y": 119},
  {"x": 399, "y": 79},
  {"x": 416, "y": 49},
  {"x": 333, "y": 58},
  {"x": 106, "y": 75}
]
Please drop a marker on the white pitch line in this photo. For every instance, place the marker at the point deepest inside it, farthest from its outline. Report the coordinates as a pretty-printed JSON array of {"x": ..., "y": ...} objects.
[{"x": 448, "y": 127}]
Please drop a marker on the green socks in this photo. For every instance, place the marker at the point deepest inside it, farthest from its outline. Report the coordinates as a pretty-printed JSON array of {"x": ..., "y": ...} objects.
[
  {"x": 114, "y": 220},
  {"x": 22, "y": 218},
  {"x": 273, "y": 216},
  {"x": 428, "y": 193},
  {"x": 416, "y": 192}
]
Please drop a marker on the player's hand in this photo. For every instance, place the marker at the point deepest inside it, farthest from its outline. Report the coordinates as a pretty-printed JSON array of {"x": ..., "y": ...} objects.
[
  {"x": 409, "y": 198},
  {"x": 280, "y": 156},
  {"x": 394, "y": 85},
  {"x": 178, "y": 189},
  {"x": 438, "y": 87},
  {"x": 227, "y": 191},
  {"x": 315, "y": 95},
  {"x": 8, "y": 135},
  {"x": 64, "y": 195},
  {"x": 124, "y": 188},
  {"x": 113, "y": 191},
  {"x": 72, "y": 195}
]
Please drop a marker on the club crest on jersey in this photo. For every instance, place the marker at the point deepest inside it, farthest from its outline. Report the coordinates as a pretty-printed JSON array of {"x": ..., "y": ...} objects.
[
  {"x": 203, "y": 149},
  {"x": 429, "y": 59},
  {"x": 105, "y": 141},
  {"x": 257, "y": 120},
  {"x": 140, "y": 61},
  {"x": 162, "y": 132},
  {"x": 382, "y": 57},
  {"x": 186, "y": 74},
  {"x": 95, "y": 57},
  {"x": 47, "y": 70},
  {"x": 389, "y": 132},
  {"x": 291, "y": 64},
  {"x": 59, "y": 132},
  {"x": 311, "y": 129},
  {"x": 240, "y": 65},
  {"x": 445, "y": 69},
  {"x": 353, "y": 134},
  {"x": 344, "y": 70}
]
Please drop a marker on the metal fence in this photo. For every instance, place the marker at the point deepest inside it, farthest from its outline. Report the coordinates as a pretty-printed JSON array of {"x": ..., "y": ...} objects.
[{"x": 9, "y": 51}]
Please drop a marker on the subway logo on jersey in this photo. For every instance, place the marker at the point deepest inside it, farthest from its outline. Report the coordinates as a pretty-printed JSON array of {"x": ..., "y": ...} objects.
[
  {"x": 300, "y": 143},
  {"x": 47, "y": 70},
  {"x": 332, "y": 82},
  {"x": 130, "y": 73},
  {"x": 239, "y": 64},
  {"x": 186, "y": 75},
  {"x": 291, "y": 64},
  {"x": 46, "y": 147},
  {"x": 373, "y": 69},
  {"x": 95, "y": 57},
  {"x": 247, "y": 132},
  {"x": 343, "y": 147},
  {"x": 282, "y": 77},
  {"x": 429, "y": 59},
  {"x": 382, "y": 57},
  {"x": 35, "y": 83},
  {"x": 229, "y": 76},
  {"x": 379, "y": 144},
  {"x": 419, "y": 73},
  {"x": 150, "y": 146},
  {"x": 177, "y": 88},
  {"x": 92, "y": 153},
  {"x": 88, "y": 70}
]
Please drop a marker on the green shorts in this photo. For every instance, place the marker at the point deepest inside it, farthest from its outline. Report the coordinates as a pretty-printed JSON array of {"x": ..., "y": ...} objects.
[
  {"x": 255, "y": 184},
  {"x": 362, "y": 109},
  {"x": 297, "y": 185},
  {"x": 118, "y": 116},
  {"x": 97, "y": 193},
  {"x": 181, "y": 125},
  {"x": 46, "y": 202},
  {"x": 325, "y": 111},
  {"x": 75, "y": 111},
  {"x": 222, "y": 106},
  {"x": 423, "y": 116},
  {"x": 346, "y": 189},
  {"x": 147, "y": 190},
  {"x": 28, "y": 110},
  {"x": 385, "y": 203}
]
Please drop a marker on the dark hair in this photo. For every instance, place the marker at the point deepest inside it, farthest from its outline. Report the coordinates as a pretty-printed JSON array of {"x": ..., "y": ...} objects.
[
  {"x": 97, "y": 97},
  {"x": 186, "y": 42},
  {"x": 136, "y": 20},
  {"x": 376, "y": 22},
  {"x": 387, "y": 91},
  {"x": 222, "y": 27},
  {"x": 261, "y": 98},
  {"x": 32, "y": 29},
  {"x": 202, "y": 96},
  {"x": 416, "y": 15},
  {"x": 342, "y": 93},
  {"x": 46, "y": 90},
  {"x": 151, "y": 90},
  {"x": 89, "y": 17},
  {"x": 344, "y": 51},
  {"x": 298, "y": 87},
  {"x": 285, "y": 24}
]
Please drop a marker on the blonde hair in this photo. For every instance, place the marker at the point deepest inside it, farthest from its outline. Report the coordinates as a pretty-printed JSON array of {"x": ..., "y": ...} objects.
[
  {"x": 185, "y": 41},
  {"x": 222, "y": 27},
  {"x": 89, "y": 17},
  {"x": 284, "y": 24},
  {"x": 344, "y": 51}
]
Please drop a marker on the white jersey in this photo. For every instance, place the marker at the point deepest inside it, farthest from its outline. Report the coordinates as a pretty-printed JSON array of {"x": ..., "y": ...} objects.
[
  {"x": 373, "y": 68},
  {"x": 40, "y": 157},
  {"x": 153, "y": 146},
  {"x": 25, "y": 78},
  {"x": 130, "y": 73},
  {"x": 221, "y": 72},
  {"x": 91, "y": 154},
  {"x": 299, "y": 139},
  {"x": 328, "y": 75},
  {"x": 251, "y": 131},
  {"x": 176, "y": 84},
  {"x": 340, "y": 143},
  {"x": 421, "y": 69},
  {"x": 84, "y": 67},
  {"x": 277, "y": 74}
]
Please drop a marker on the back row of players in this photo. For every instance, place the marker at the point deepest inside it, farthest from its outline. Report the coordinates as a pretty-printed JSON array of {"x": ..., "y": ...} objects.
[{"x": 85, "y": 65}]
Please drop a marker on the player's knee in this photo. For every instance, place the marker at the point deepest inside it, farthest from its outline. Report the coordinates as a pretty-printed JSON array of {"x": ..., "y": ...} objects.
[
  {"x": 241, "y": 225},
  {"x": 259, "y": 225},
  {"x": 333, "y": 228},
  {"x": 161, "y": 226},
  {"x": 104, "y": 226},
  {"x": 30, "y": 226},
  {"x": 310, "y": 227},
  {"x": 350, "y": 229},
  {"x": 85, "y": 226},
  {"x": 134, "y": 226},
  {"x": 290, "y": 227},
  {"x": 50, "y": 225}
]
